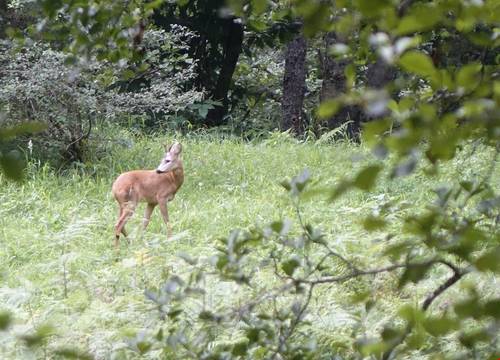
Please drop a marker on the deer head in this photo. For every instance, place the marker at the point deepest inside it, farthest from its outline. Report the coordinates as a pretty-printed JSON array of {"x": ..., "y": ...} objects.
[{"x": 171, "y": 160}]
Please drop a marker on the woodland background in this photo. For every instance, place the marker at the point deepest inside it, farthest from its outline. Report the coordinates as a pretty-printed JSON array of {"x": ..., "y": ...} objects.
[{"x": 342, "y": 180}]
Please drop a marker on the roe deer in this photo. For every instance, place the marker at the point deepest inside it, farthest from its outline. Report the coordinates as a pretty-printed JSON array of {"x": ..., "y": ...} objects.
[{"x": 152, "y": 186}]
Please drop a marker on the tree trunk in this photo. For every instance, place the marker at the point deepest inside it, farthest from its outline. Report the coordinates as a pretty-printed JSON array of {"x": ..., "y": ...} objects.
[
  {"x": 379, "y": 74},
  {"x": 294, "y": 85},
  {"x": 3, "y": 18},
  {"x": 334, "y": 84},
  {"x": 231, "y": 48}
]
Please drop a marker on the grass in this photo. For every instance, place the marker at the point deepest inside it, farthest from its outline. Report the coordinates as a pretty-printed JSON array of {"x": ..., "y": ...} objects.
[{"x": 59, "y": 265}]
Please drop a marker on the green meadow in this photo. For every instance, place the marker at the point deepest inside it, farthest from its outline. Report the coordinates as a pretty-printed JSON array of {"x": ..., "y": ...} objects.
[{"x": 59, "y": 266}]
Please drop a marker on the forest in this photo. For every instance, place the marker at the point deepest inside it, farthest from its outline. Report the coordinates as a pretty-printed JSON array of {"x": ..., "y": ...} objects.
[{"x": 250, "y": 179}]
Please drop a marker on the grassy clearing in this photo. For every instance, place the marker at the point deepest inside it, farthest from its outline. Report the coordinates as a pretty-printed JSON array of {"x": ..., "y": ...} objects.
[{"x": 59, "y": 266}]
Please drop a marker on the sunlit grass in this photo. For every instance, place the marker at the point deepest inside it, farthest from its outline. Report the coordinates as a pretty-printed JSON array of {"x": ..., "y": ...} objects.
[{"x": 59, "y": 264}]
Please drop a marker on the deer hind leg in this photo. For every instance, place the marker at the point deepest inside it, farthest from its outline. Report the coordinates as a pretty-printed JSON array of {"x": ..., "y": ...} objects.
[
  {"x": 118, "y": 221},
  {"x": 164, "y": 213},
  {"x": 126, "y": 211},
  {"x": 147, "y": 215}
]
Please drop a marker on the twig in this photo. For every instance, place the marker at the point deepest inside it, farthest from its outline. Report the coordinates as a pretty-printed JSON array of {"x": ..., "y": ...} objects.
[
  {"x": 442, "y": 288},
  {"x": 457, "y": 275},
  {"x": 331, "y": 252},
  {"x": 295, "y": 322}
]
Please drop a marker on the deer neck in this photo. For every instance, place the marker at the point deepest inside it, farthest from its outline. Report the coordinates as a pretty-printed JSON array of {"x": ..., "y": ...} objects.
[{"x": 178, "y": 175}]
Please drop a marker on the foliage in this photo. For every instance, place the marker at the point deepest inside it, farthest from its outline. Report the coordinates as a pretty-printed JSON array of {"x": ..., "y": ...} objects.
[
  {"x": 429, "y": 289},
  {"x": 69, "y": 220},
  {"x": 160, "y": 86},
  {"x": 38, "y": 85},
  {"x": 439, "y": 108}
]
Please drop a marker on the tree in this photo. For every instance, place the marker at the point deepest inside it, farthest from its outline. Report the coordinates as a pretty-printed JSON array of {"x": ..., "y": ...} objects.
[
  {"x": 444, "y": 103},
  {"x": 294, "y": 85},
  {"x": 333, "y": 84},
  {"x": 216, "y": 49},
  {"x": 456, "y": 233}
]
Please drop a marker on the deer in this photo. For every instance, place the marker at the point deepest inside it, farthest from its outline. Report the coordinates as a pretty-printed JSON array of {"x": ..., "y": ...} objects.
[{"x": 155, "y": 187}]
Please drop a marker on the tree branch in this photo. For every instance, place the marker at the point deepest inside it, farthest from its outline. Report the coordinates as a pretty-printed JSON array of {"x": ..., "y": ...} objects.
[{"x": 457, "y": 275}]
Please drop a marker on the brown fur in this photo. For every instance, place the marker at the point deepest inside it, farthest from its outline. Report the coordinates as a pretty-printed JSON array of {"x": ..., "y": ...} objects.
[{"x": 148, "y": 186}]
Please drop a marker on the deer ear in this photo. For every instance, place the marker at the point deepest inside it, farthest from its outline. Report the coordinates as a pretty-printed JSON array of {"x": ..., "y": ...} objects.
[
  {"x": 176, "y": 148},
  {"x": 167, "y": 147}
]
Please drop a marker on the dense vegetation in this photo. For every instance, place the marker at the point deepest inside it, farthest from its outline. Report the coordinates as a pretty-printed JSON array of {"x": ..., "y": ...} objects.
[{"x": 342, "y": 181}]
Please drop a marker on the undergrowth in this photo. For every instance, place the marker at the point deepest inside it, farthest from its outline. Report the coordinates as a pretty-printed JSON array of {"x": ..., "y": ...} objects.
[{"x": 58, "y": 265}]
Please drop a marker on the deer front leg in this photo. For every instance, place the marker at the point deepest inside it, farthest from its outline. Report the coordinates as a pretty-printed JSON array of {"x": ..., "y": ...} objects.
[
  {"x": 164, "y": 214},
  {"x": 147, "y": 215}
]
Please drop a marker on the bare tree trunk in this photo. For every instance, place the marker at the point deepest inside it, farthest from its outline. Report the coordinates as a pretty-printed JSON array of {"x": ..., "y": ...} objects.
[
  {"x": 379, "y": 74},
  {"x": 334, "y": 84},
  {"x": 232, "y": 49},
  {"x": 3, "y": 18},
  {"x": 294, "y": 85}
]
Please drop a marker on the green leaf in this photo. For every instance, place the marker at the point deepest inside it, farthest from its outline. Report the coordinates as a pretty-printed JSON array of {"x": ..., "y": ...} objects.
[
  {"x": 418, "y": 63},
  {"x": 38, "y": 337},
  {"x": 222, "y": 261},
  {"x": 492, "y": 308},
  {"x": 252, "y": 335},
  {"x": 240, "y": 349},
  {"x": 328, "y": 108},
  {"x": 421, "y": 17},
  {"x": 259, "y": 6},
  {"x": 372, "y": 130},
  {"x": 26, "y": 128},
  {"x": 371, "y": 347},
  {"x": 373, "y": 223},
  {"x": 152, "y": 5},
  {"x": 12, "y": 165},
  {"x": 365, "y": 179},
  {"x": 350, "y": 76},
  {"x": 257, "y": 24},
  {"x": 469, "y": 339},
  {"x": 143, "y": 346},
  {"x": 439, "y": 326},
  {"x": 203, "y": 110},
  {"x": 417, "y": 338},
  {"x": 467, "y": 308},
  {"x": 411, "y": 314},
  {"x": 286, "y": 185},
  {"x": 206, "y": 315},
  {"x": 290, "y": 265},
  {"x": 340, "y": 189},
  {"x": 390, "y": 334},
  {"x": 360, "y": 296},
  {"x": 490, "y": 261},
  {"x": 70, "y": 353},
  {"x": 468, "y": 76},
  {"x": 51, "y": 7},
  {"x": 174, "y": 313},
  {"x": 277, "y": 226},
  {"x": 414, "y": 274},
  {"x": 371, "y": 8},
  {"x": 5, "y": 320}
]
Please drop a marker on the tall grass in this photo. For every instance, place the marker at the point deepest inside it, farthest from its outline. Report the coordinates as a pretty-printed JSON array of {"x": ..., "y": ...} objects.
[{"x": 58, "y": 264}]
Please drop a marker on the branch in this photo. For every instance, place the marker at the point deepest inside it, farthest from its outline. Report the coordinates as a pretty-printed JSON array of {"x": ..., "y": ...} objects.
[
  {"x": 457, "y": 275},
  {"x": 403, "y": 6},
  {"x": 333, "y": 279},
  {"x": 324, "y": 244},
  {"x": 295, "y": 321}
]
